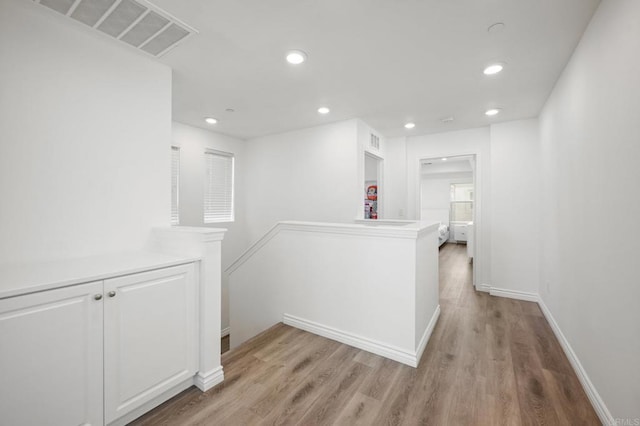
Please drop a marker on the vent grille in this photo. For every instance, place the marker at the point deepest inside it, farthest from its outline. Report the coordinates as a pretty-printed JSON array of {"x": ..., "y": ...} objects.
[
  {"x": 375, "y": 141},
  {"x": 135, "y": 22}
]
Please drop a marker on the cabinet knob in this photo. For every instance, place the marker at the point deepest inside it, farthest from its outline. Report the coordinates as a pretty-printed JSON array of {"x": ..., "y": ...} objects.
[
  {"x": 112, "y": 293},
  {"x": 97, "y": 296}
]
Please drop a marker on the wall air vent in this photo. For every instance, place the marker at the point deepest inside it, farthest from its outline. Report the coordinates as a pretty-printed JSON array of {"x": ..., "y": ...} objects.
[
  {"x": 375, "y": 141},
  {"x": 135, "y": 22}
]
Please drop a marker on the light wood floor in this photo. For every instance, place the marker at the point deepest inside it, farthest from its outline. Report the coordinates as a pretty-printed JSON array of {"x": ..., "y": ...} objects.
[{"x": 490, "y": 361}]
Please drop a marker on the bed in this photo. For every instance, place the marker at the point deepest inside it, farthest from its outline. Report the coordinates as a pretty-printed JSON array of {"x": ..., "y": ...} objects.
[
  {"x": 443, "y": 234},
  {"x": 438, "y": 215}
]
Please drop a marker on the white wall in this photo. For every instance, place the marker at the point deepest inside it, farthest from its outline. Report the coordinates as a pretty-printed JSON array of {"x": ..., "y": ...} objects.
[
  {"x": 85, "y": 127},
  {"x": 515, "y": 199},
  {"x": 435, "y": 191},
  {"x": 307, "y": 175},
  {"x": 370, "y": 169},
  {"x": 590, "y": 148},
  {"x": 193, "y": 142},
  {"x": 334, "y": 278},
  {"x": 364, "y": 132},
  {"x": 395, "y": 179}
]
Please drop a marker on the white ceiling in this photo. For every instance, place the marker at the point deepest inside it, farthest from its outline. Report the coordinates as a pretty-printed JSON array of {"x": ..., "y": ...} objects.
[
  {"x": 385, "y": 61},
  {"x": 436, "y": 166}
]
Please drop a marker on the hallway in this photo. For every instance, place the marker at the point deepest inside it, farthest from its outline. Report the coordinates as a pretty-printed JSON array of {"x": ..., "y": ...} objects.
[{"x": 490, "y": 361}]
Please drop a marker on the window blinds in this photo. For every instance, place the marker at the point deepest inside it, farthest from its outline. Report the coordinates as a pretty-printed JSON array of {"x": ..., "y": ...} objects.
[
  {"x": 175, "y": 184},
  {"x": 218, "y": 194}
]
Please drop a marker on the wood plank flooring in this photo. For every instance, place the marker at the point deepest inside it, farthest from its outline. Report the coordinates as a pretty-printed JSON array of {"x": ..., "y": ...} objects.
[{"x": 490, "y": 361}]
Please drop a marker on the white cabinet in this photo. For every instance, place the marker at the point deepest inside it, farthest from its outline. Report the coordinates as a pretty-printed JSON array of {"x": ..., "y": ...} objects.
[
  {"x": 51, "y": 357},
  {"x": 150, "y": 336},
  {"x": 460, "y": 232},
  {"x": 90, "y": 354}
]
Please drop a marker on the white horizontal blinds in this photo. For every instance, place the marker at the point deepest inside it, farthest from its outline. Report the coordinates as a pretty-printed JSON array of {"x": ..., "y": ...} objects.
[
  {"x": 218, "y": 194},
  {"x": 175, "y": 185},
  {"x": 462, "y": 202}
]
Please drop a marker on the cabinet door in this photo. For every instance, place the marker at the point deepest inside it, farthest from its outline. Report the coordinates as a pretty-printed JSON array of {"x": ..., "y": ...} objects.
[
  {"x": 460, "y": 233},
  {"x": 150, "y": 336},
  {"x": 51, "y": 357}
]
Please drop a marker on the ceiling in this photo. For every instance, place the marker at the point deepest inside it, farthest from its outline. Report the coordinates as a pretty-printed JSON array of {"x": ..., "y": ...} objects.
[
  {"x": 384, "y": 61},
  {"x": 438, "y": 166}
]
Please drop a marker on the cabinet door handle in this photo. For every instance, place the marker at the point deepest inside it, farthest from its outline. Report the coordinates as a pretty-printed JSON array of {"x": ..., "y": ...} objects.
[
  {"x": 97, "y": 296},
  {"x": 112, "y": 293}
]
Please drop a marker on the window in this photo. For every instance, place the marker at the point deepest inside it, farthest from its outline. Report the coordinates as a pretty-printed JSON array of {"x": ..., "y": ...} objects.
[
  {"x": 218, "y": 193},
  {"x": 175, "y": 185},
  {"x": 462, "y": 202}
]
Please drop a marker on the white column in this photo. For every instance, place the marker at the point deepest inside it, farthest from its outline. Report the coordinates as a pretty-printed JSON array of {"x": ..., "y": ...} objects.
[{"x": 205, "y": 243}]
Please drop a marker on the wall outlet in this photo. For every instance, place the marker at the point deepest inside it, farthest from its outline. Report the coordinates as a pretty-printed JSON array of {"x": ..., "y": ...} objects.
[{"x": 401, "y": 212}]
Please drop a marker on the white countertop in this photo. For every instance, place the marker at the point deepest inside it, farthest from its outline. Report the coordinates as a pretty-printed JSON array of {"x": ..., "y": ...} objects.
[{"x": 23, "y": 278}]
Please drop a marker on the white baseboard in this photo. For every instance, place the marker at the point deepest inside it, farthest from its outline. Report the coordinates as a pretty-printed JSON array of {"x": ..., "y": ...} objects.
[
  {"x": 225, "y": 332},
  {"x": 150, "y": 405},
  {"x": 427, "y": 334},
  {"x": 483, "y": 287},
  {"x": 514, "y": 294},
  {"x": 205, "y": 381},
  {"x": 369, "y": 345},
  {"x": 596, "y": 401}
]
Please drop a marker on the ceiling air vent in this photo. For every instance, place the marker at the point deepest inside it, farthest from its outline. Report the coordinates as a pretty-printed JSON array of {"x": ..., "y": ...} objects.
[{"x": 135, "y": 22}]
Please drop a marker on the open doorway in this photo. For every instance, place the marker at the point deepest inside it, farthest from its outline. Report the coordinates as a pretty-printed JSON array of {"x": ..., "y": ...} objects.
[
  {"x": 372, "y": 186},
  {"x": 448, "y": 196}
]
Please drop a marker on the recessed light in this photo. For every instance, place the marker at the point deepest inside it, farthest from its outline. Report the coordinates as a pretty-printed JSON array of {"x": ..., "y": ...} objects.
[
  {"x": 493, "y": 69},
  {"x": 296, "y": 57},
  {"x": 409, "y": 125},
  {"x": 492, "y": 111},
  {"x": 447, "y": 119},
  {"x": 210, "y": 120},
  {"x": 323, "y": 110},
  {"x": 444, "y": 159}
]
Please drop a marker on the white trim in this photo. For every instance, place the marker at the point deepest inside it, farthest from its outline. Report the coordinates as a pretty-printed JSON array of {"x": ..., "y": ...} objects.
[
  {"x": 369, "y": 345},
  {"x": 409, "y": 232},
  {"x": 480, "y": 258},
  {"x": 206, "y": 381},
  {"x": 594, "y": 397},
  {"x": 153, "y": 403},
  {"x": 356, "y": 229},
  {"x": 484, "y": 287},
  {"x": 252, "y": 249},
  {"x": 514, "y": 294},
  {"x": 427, "y": 334},
  {"x": 596, "y": 401},
  {"x": 225, "y": 332}
]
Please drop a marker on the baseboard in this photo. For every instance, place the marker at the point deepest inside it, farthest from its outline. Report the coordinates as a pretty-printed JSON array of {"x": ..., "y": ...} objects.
[
  {"x": 369, "y": 345},
  {"x": 427, "y": 334},
  {"x": 484, "y": 287},
  {"x": 206, "y": 381},
  {"x": 596, "y": 401},
  {"x": 514, "y": 294},
  {"x": 225, "y": 332},
  {"x": 150, "y": 405}
]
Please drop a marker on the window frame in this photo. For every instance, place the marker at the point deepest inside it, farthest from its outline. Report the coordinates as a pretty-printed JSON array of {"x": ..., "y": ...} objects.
[
  {"x": 205, "y": 214},
  {"x": 175, "y": 173}
]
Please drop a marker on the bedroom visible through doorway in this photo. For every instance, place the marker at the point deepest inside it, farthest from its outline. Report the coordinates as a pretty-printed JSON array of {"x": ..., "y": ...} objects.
[{"x": 447, "y": 196}]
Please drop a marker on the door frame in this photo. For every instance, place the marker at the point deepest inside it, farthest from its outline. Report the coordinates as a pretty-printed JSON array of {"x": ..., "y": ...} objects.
[{"x": 479, "y": 258}]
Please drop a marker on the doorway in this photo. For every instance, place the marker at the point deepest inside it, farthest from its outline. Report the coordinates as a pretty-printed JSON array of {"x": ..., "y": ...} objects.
[
  {"x": 372, "y": 187},
  {"x": 448, "y": 196}
]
